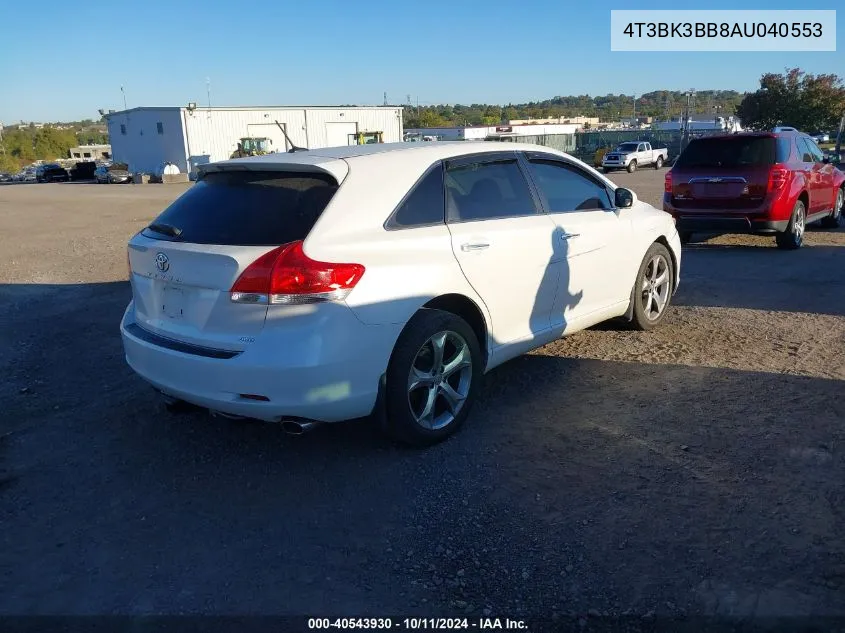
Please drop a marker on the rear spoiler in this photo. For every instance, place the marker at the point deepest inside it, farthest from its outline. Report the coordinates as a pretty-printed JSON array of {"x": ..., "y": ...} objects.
[{"x": 336, "y": 168}]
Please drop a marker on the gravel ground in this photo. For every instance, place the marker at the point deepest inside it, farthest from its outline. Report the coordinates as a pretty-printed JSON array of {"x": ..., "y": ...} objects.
[{"x": 693, "y": 471}]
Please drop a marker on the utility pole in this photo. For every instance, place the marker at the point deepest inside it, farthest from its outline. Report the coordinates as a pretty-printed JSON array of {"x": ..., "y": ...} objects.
[
  {"x": 123, "y": 92},
  {"x": 385, "y": 98}
]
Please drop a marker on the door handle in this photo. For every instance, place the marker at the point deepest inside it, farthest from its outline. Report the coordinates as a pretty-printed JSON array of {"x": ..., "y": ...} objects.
[
  {"x": 566, "y": 236},
  {"x": 474, "y": 246}
]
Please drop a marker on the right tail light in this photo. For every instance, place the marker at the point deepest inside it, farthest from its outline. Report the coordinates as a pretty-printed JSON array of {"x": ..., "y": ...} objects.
[
  {"x": 667, "y": 182},
  {"x": 778, "y": 176}
]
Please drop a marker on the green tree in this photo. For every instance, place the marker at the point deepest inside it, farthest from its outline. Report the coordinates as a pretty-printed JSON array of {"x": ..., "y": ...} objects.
[{"x": 802, "y": 100}]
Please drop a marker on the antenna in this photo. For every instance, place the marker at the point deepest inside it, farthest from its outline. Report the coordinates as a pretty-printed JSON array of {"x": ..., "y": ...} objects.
[
  {"x": 124, "y": 98},
  {"x": 208, "y": 90},
  {"x": 293, "y": 148}
]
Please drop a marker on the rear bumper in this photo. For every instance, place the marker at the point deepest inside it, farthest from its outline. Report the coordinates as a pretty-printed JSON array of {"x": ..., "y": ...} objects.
[
  {"x": 326, "y": 375},
  {"x": 728, "y": 224},
  {"x": 753, "y": 220}
]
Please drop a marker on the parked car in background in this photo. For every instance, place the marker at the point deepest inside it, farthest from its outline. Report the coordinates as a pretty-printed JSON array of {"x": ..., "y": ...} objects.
[
  {"x": 83, "y": 170},
  {"x": 821, "y": 138},
  {"x": 770, "y": 183},
  {"x": 29, "y": 175},
  {"x": 634, "y": 155},
  {"x": 330, "y": 284},
  {"x": 109, "y": 174},
  {"x": 6, "y": 177},
  {"x": 51, "y": 172}
]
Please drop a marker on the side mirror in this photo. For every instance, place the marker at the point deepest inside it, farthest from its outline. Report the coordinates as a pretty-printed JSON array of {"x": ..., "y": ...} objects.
[{"x": 624, "y": 198}]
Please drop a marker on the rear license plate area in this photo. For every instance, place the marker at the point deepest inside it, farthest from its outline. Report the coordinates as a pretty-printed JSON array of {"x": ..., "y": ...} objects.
[{"x": 173, "y": 302}]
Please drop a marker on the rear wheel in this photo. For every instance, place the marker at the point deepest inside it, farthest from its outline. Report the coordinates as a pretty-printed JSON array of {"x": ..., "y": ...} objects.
[
  {"x": 432, "y": 379},
  {"x": 793, "y": 237},
  {"x": 658, "y": 164},
  {"x": 652, "y": 291},
  {"x": 632, "y": 167},
  {"x": 833, "y": 220}
]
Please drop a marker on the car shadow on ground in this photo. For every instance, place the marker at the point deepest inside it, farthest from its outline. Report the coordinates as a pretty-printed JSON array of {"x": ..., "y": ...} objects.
[
  {"x": 576, "y": 485},
  {"x": 806, "y": 280}
]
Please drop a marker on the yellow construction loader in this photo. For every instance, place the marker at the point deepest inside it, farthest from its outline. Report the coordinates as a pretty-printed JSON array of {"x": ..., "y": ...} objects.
[{"x": 252, "y": 146}]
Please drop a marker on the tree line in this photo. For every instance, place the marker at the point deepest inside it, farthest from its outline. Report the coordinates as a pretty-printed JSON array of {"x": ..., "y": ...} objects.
[
  {"x": 22, "y": 146},
  {"x": 660, "y": 103},
  {"x": 811, "y": 103}
]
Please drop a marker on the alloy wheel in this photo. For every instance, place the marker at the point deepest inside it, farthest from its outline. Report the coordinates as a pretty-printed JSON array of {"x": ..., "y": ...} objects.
[
  {"x": 656, "y": 287},
  {"x": 439, "y": 380},
  {"x": 798, "y": 226}
]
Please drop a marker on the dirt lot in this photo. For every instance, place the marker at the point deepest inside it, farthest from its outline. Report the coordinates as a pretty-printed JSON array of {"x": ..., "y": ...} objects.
[{"x": 695, "y": 470}]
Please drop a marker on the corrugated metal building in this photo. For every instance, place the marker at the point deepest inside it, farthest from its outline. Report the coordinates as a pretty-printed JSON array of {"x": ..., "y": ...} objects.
[{"x": 147, "y": 138}]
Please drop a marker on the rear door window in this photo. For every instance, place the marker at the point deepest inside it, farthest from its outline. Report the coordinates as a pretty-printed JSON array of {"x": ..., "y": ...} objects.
[
  {"x": 804, "y": 151},
  {"x": 243, "y": 208},
  {"x": 737, "y": 151},
  {"x": 487, "y": 190},
  {"x": 816, "y": 154}
]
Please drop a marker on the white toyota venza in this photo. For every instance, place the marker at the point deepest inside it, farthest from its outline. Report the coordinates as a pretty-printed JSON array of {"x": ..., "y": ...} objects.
[{"x": 324, "y": 285}]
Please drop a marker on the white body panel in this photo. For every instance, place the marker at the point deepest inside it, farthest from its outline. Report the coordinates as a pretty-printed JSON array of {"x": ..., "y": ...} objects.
[{"x": 324, "y": 361}]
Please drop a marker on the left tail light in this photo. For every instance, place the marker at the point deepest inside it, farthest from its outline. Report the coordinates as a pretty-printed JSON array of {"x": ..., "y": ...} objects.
[
  {"x": 286, "y": 275},
  {"x": 667, "y": 182}
]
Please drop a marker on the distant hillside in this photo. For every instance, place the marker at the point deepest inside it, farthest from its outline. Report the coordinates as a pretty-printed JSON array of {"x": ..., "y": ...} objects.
[{"x": 662, "y": 103}]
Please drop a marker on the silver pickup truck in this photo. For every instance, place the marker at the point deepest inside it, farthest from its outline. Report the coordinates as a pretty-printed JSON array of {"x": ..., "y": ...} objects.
[{"x": 632, "y": 155}]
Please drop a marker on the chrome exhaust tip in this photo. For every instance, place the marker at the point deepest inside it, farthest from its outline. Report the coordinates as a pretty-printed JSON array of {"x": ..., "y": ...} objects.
[{"x": 295, "y": 427}]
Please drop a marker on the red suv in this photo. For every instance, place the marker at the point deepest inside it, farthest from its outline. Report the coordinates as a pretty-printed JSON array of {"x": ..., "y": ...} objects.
[{"x": 765, "y": 183}]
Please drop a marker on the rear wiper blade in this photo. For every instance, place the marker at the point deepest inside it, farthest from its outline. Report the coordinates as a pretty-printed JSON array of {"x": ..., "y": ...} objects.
[{"x": 165, "y": 229}]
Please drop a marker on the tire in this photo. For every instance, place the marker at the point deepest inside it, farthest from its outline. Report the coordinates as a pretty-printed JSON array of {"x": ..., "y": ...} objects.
[
  {"x": 686, "y": 236},
  {"x": 632, "y": 167},
  {"x": 658, "y": 164},
  {"x": 835, "y": 218},
  {"x": 414, "y": 353},
  {"x": 793, "y": 237},
  {"x": 652, "y": 293}
]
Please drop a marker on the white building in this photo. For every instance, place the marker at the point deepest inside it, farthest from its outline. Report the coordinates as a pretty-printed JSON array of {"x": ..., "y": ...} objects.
[
  {"x": 727, "y": 124},
  {"x": 147, "y": 138},
  {"x": 496, "y": 132}
]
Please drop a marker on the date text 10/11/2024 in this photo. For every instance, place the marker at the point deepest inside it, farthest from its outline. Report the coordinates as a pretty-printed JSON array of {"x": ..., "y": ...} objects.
[{"x": 414, "y": 624}]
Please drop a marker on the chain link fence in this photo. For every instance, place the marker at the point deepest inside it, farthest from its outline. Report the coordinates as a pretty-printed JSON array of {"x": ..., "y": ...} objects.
[{"x": 584, "y": 145}]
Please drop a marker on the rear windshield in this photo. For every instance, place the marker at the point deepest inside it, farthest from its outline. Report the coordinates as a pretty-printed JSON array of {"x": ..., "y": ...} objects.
[
  {"x": 729, "y": 152},
  {"x": 627, "y": 147},
  {"x": 241, "y": 208}
]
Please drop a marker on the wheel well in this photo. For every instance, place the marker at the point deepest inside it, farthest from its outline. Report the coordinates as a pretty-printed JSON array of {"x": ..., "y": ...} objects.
[
  {"x": 665, "y": 242},
  {"x": 803, "y": 197},
  {"x": 465, "y": 308}
]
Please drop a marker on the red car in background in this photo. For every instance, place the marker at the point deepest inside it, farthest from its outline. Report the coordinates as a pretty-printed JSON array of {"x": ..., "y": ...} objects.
[{"x": 771, "y": 183}]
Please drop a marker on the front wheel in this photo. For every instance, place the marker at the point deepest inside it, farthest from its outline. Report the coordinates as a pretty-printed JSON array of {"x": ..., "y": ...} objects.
[
  {"x": 632, "y": 167},
  {"x": 658, "y": 164},
  {"x": 793, "y": 237},
  {"x": 432, "y": 379},
  {"x": 833, "y": 220},
  {"x": 652, "y": 290}
]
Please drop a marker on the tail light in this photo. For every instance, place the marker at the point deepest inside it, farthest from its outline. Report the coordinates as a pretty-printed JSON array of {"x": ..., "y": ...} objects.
[
  {"x": 777, "y": 178},
  {"x": 286, "y": 275},
  {"x": 667, "y": 182}
]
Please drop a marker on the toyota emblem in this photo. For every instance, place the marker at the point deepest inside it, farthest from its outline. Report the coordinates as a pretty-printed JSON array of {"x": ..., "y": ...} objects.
[{"x": 162, "y": 263}]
